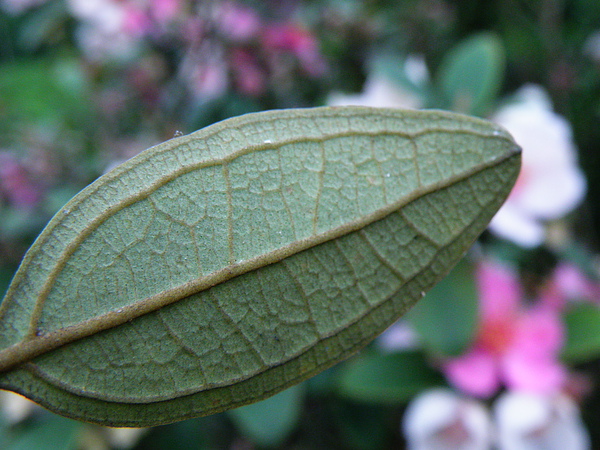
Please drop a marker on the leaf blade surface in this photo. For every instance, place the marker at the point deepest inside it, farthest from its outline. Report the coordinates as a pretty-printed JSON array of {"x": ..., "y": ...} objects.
[{"x": 219, "y": 268}]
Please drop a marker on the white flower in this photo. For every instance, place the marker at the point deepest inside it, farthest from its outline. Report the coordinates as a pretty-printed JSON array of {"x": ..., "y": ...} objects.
[
  {"x": 441, "y": 419},
  {"x": 14, "y": 407},
  {"x": 399, "y": 336},
  {"x": 379, "y": 91},
  {"x": 550, "y": 183},
  {"x": 527, "y": 421},
  {"x": 124, "y": 438},
  {"x": 103, "y": 31}
]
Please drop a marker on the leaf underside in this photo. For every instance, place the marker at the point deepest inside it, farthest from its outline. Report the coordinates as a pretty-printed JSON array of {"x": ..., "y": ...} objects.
[{"x": 219, "y": 268}]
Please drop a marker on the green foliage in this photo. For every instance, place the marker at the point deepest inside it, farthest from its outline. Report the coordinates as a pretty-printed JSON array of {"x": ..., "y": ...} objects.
[
  {"x": 219, "y": 268},
  {"x": 446, "y": 318},
  {"x": 46, "y": 92},
  {"x": 471, "y": 74},
  {"x": 362, "y": 426},
  {"x": 50, "y": 432},
  {"x": 269, "y": 422},
  {"x": 388, "y": 378},
  {"x": 583, "y": 333},
  {"x": 204, "y": 433}
]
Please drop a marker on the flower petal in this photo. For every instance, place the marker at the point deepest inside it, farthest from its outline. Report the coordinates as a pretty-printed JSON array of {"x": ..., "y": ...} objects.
[
  {"x": 499, "y": 291},
  {"x": 518, "y": 226},
  {"x": 440, "y": 419},
  {"x": 475, "y": 373},
  {"x": 528, "y": 422},
  {"x": 551, "y": 183}
]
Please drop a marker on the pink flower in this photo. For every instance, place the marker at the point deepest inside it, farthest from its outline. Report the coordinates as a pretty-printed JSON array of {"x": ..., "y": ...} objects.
[
  {"x": 568, "y": 283},
  {"x": 16, "y": 183},
  {"x": 298, "y": 41},
  {"x": 165, "y": 10},
  {"x": 136, "y": 22},
  {"x": 249, "y": 77},
  {"x": 237, "y": 22},
  {"x": 206, "y": 72},
  {"x": 515, "y": 346}
]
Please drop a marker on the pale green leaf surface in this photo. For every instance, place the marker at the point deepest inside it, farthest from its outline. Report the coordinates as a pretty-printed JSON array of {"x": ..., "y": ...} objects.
[{"x": 220, "y": 268}]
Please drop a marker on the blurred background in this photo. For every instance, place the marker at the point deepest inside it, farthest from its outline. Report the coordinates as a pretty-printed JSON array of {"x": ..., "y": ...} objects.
[{"x": 504, "y": 353}]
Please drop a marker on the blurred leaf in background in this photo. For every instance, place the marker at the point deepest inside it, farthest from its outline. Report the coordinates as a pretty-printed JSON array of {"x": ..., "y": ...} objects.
[
  {"x": 387, "y": 378},
  {"x": 269, "y": 422},
  {"x": 471, "y": 74},
  {"x": 446, "y": 318}
]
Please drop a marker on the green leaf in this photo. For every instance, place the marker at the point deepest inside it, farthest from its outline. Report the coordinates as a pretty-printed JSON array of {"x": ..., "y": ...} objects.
[
  {"x": 40, "y": 26},
  {"x": 269, "y": 422},
  {"x": 217, "y": 269},
  {"x": 53, "y": 92},
  {"x": 583, "y": 333},
  {"x": 51, "y": 433},
  {"x": 388, "y": 378},
  {"x": 471, "y": 74},
  {"x": 446, "y": 318},
  {"x": 204, "y": 433},
  {"x": 362, "y": 426}
]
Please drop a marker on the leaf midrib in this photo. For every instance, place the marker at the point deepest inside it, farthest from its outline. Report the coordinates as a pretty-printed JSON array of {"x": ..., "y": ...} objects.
[
  {"x": 82, "y": 234},
  {"x": 28, "y": 349},
  {"x": 349, "y": 351}
]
